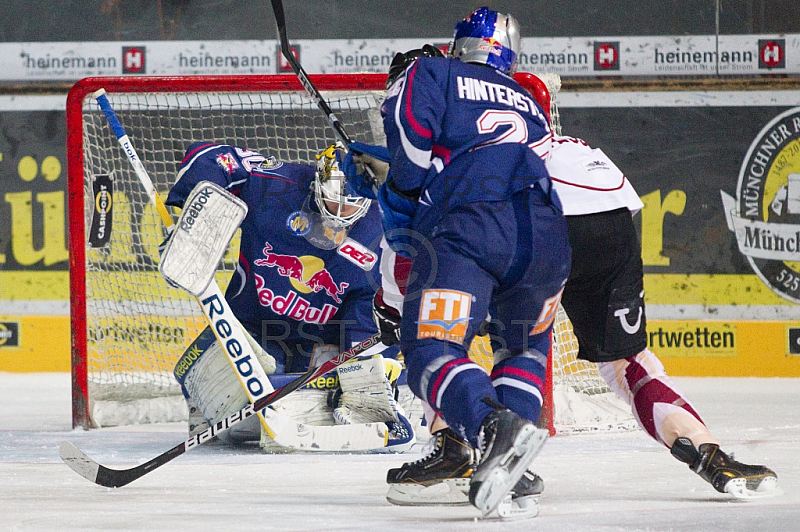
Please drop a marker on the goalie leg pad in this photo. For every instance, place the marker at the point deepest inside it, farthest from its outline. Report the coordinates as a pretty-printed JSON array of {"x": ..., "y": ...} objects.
[{"x": 209, "y": 382}]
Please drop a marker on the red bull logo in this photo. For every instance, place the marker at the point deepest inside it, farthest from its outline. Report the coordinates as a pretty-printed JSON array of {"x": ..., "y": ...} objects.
[
  {"x": 293, "y": 305},
  {"x": 287, "y": 265},
  {"x": 322, "y": 280},
  {"x": 307, "y": 273},
  {"x": 227, "y": 162},
  {"x": 492, "y": 45}
]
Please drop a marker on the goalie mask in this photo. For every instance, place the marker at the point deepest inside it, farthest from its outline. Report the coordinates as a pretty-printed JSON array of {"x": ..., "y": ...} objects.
[
  {"x": 489, "y": 38},
  {"x": 339, "y": 207},
  {"x": 401, "y": 61}
]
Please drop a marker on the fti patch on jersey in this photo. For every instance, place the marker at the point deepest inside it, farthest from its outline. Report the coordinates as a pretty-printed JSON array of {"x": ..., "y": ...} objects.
[
  {"x": 548, "y": 314},
  {"x": 298, "y": 223},
  {"x": 227, "y": 162},
  {"x": 444, "y": 314}
]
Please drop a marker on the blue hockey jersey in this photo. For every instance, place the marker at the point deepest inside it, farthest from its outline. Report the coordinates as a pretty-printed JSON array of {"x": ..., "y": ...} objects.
[
  {"x": 459, "y": 133},
  {"x": 287, "y": 292}
]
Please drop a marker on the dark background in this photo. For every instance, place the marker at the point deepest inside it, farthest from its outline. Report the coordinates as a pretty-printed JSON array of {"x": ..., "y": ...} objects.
[{"x": 112, "y": 20}]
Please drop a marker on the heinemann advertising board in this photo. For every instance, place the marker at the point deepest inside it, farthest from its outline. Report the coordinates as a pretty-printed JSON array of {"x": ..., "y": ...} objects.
[{"x": 718, "y": 172}]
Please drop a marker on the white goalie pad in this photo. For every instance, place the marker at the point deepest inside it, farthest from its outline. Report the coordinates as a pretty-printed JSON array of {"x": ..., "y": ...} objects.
[
  {"x": 200, "y": 239},
  {"x": 215, "y": 390},
  {"x": 367, "y": 393}
]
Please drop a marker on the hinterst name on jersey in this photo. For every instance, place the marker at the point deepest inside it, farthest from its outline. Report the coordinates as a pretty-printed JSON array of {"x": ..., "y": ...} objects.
[
  {"x": 480, "y": 90},
  {"x": 293, "y": 305}
]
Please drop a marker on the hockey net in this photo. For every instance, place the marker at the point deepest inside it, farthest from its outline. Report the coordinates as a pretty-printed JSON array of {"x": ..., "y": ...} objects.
[{"x": 128, "y": 326}]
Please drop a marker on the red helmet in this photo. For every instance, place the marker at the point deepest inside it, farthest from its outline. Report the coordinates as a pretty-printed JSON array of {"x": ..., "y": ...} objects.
[{"x": 537, "y": 88}]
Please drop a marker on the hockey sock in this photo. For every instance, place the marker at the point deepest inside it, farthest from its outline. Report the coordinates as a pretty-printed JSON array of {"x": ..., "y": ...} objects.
[
  {"x": 457, "y": 389},
  {"x": 518, "y": 381},
  {"x": 658, "y": 405}
]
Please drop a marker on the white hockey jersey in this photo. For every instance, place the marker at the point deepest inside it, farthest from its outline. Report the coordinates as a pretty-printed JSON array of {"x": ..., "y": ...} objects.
[{"x": 586, "y": 180}]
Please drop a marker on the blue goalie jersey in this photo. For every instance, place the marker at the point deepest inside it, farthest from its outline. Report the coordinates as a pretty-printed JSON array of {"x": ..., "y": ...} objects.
[{"x": 290, "y": 294}]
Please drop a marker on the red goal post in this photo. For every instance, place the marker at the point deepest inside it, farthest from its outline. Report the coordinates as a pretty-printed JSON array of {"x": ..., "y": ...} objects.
[{"x": 128, "y": 326}]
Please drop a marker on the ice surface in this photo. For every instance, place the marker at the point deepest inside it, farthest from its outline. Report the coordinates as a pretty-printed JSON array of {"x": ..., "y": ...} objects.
[{"x": 598, "y": 482}]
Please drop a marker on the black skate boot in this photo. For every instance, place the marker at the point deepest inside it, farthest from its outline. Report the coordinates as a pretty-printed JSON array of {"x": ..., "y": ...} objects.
[
  {"x": 440, "y": 478},
  {"x": 507, "y": 445},
  {"x": 740, "y": 480},
  {"x": 523, "y": 501}
]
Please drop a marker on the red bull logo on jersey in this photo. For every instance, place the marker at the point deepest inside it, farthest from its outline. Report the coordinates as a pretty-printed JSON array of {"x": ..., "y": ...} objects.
[
  {"x": 306, "y": 273},
  {"x": 322, "y": 280},
  {"x": 287, "y": 265},
  {"x": 227, "y": 162},
  {"x": 444, "y": 314},
  {"x": 293, "y": 305}
]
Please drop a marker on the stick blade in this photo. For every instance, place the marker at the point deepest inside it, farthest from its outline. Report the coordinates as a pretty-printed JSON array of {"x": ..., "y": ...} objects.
[
  {"x": 78, "y": 461},
  {"x": 94, "y": 472}
]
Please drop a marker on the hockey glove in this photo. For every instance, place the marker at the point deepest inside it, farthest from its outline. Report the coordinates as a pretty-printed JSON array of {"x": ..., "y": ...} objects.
[
  {"x": 397, "y": 212},
  {"x": 355, "y": 163},
  {"x": 386, "y": 318}
]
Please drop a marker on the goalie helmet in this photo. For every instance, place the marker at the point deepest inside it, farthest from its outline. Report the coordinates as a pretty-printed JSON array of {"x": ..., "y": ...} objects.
[
  {"x": 402, "y": 60},
  {"x": 487, "y": 37},
  {"x": 332, "y": 191}
]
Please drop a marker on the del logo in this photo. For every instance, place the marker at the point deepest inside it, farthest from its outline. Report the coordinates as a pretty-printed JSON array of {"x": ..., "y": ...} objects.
[
  {"x": 9, "y": 334},
  {"x": 444, "y": 314},
  {"x": 359, "y": 255},
  {"x": 283, "y": 64},
  {"x": 765, "y": 214},
  {"x": 772, "y": 53},
  {"x": 133, "y": 60},
  {"x": 606, "y": 55}
]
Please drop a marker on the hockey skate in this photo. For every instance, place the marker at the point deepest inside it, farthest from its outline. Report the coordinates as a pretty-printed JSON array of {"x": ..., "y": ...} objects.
[
  {"x": 439, "y": 478},
  {"x": 742, "y": 481},
  {"x": 507, "y": 445},
  {"x": 523, "y": 501}
]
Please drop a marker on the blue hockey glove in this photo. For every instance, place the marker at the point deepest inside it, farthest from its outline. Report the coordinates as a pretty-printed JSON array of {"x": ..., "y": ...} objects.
[{"x": 360, "y": 157}]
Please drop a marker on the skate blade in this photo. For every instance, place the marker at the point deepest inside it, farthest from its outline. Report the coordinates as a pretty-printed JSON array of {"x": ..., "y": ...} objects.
[
  {"x": 519, "y": 508},
  {"x": 450, "y": 492},
  {"x": 496, "y": 485},
  {"x": 768, "y": 487}
]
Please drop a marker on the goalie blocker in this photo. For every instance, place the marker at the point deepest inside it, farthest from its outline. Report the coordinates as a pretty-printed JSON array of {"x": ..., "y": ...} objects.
[{"x": 210, "y": 217}]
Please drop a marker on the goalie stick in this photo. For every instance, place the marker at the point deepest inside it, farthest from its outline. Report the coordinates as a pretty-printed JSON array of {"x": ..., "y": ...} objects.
[{"x": 79, "y": 462}]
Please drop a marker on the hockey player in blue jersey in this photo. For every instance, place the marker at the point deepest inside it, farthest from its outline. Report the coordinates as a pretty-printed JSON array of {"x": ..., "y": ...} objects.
[
  {"x": 306, "y": 274},
  {"x": 604, "y": 298},
  {"x": 468, "y": 196}
]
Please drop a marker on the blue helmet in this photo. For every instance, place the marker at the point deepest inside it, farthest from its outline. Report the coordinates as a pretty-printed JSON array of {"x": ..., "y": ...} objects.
[{"x": 488, "y": 38}]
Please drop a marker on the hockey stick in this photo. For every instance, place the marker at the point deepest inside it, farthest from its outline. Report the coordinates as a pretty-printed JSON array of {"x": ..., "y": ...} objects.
[
  {"x": 79, "y": 462},
  {"x": 338, "y": 128},
  {"x": 280, "y": 19}
]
